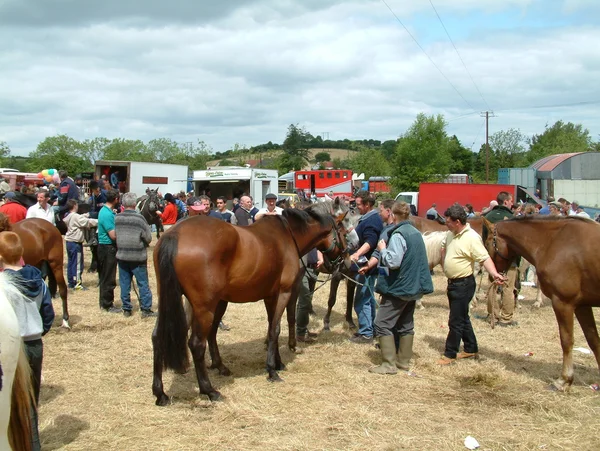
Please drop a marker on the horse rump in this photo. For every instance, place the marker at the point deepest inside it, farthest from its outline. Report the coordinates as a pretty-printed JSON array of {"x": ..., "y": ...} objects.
[
  {"x": 19, "y": 426},
  {"x": 171, "y": 325}
]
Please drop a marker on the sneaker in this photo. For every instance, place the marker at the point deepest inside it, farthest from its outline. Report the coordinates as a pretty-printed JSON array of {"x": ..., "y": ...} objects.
[
  {"x": 361, "y": 339},
  {"x": 224, "y": 326},
  {"x": 148, "y": 314},
  {"x": 112, "y": 310},
  {"x": 507, "y": 324},
  {"x": 446, "y": 361},
  {"x": 80, "y": 287},
  {"x": 126, "y": 313},
  {"x": 467, "y": 355}
]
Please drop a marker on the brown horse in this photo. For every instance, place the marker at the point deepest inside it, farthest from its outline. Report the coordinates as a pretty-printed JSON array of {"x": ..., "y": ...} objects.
[
  {"x": 43, "y": 248},
  {"x": 430, "y": 225},
  {"x": 564, "y": 252},
  {"x": 212, "y": 263}
]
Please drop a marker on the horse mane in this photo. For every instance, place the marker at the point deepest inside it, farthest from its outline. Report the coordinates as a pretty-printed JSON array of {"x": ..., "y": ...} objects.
[
  {"x": 551, "y": 218},
  {"x": 305, "y": 216},
  {"x": 5, "y": 225}
]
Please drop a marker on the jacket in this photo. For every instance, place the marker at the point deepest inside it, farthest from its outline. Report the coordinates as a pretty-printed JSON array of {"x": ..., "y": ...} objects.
[{"x": 75, "y": 224}]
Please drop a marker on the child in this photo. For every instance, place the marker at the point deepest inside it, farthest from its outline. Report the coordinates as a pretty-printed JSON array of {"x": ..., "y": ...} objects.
[
  {"x": 74, "y": 238},
  {"x": 32, "y": 304}
]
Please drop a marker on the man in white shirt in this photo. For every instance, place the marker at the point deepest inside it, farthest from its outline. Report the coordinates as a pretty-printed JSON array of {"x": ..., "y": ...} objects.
[
  {"x": 42, "y": 209},
  {"x": 271, "y": 209}
]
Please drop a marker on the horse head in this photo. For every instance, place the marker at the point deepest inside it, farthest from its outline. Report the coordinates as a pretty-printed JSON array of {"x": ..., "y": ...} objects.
[
  {"x": 153, "y": 202},
  {"x": 334, "y": 246},
  {"x": 501, "y": 254}
]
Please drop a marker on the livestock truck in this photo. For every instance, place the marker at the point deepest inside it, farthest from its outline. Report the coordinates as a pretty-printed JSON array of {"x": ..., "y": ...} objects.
[{"x": 446, "y": 194}]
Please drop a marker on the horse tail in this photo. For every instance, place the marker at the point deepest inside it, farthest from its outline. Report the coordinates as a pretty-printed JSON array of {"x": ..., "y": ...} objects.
[
  {"x": 19, "y": 426},
  {"x": 171, "y": 325}
]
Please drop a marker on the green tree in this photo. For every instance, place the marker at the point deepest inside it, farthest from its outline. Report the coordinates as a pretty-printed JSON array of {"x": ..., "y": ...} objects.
[
  {"x": 462, "y": 158},
  {"x": 322, "y": 157},
  {"x": 121, "y": 149},
  {"x": 479, "y": 166},
  {"x": 422, "y": 154},
  {"x": 371, "y": 162},
  {"x": 388, "y": 148},
  {"x": 560, "y": 138},
  {"x": 287, "y": 163},
  {"x": 509, "y": 149},
  {"x": 164, "y": 150},
  {"x": 94, "y": 149},
  {"x": 296, "y": 147},
  {"x": 59, "y": 152},
  {"x": 4, "y": 153}
]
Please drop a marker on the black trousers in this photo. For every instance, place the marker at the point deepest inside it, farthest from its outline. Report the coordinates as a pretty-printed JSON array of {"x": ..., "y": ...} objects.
[
  {"x": 34, "y": 350},
  {"x": 107, "y": 274},
  {"x": 460, "y": 292}
]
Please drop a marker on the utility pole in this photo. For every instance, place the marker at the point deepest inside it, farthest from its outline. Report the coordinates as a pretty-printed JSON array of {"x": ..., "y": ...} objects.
[{"x": 487, "y": 116}]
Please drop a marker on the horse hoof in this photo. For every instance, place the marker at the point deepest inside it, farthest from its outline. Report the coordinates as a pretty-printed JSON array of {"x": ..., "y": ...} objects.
[
  {"x": 274, "y": 378},
  {"x": 351, "y": 326},
  {"x": 65, "y": 324},
  {"x": 224, "y": 371},
  {"x": 280, "y": 367},
  {"x": 162, "y": 400},
  {"x": 215, "y": 396},
  {"x": 326, "y": 327}
]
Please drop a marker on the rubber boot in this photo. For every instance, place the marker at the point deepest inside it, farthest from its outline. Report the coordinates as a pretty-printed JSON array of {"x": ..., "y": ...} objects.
[
  {"x": 405, "y": 352},
  {"x": 388, "y": 356}
]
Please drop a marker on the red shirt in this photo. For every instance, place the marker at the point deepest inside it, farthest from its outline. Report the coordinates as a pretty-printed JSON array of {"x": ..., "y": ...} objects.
[
  {"x": 14, "y": 210},
  {"x": 169, "y": 216}
]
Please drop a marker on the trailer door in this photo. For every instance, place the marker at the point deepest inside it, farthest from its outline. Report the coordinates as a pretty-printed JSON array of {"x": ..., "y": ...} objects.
[{"x": 260, "y": 188}]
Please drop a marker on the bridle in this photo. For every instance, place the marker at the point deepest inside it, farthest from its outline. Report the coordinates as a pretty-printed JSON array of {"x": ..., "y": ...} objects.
[{"x": 495, "y": 243}]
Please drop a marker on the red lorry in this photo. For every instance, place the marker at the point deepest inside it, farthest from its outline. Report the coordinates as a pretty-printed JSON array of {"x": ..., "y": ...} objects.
[{"x": 446, "y": 194}]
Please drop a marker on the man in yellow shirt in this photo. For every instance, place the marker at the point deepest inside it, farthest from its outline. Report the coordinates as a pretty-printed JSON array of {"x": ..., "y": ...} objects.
[{"x": 462, "y": 248}]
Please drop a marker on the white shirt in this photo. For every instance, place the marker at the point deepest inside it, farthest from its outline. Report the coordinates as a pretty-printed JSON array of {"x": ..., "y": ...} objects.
[
  {"x": 36, "y": 211},
  {"x": 264, "y": 211}
]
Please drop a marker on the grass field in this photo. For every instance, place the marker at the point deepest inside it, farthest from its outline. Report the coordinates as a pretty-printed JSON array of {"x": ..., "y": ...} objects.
[{"x": 96, "y": 392}]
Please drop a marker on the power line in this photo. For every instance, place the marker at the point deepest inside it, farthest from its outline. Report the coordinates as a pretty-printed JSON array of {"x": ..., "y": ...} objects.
[
  {"x": 460, "y": 57},
  {"x": 560, "y": 105},
  {"x": 477, "y": 136},
  {"x": 423, "y": 50}
]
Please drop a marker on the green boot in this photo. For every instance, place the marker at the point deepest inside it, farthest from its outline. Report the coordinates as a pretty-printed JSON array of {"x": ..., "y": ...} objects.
[
  {"x": 388, "y": 355},
  {"x": 405, "y": 352}
]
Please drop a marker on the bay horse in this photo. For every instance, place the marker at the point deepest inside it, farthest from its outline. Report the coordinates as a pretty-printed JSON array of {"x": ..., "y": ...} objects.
[
  {"x": 16, "y": 395},
  {"x": 148, "y": 205},
  {"x": 212, "y": 263},
  {"x": 430, "y": 225},
  {"x": 564, "y": 251},
  {"x": 43, "y": 248}
]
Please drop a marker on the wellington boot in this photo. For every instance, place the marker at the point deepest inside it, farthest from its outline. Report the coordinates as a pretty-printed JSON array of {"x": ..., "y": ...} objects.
[
  {"x": 388, "y": 356},
  {"x": 405, "y": 352}
]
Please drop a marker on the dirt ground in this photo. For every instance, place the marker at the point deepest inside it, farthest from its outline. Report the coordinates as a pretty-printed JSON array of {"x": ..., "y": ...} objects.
[{"x": 96, "y": 392}]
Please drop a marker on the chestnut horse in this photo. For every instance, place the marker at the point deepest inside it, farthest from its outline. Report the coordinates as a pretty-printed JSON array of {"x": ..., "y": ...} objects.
[
  {"x": 212, "y": 263},
  {"x": 430, "y": 225},
  {"x": 564, "y": 252},
  {"x": 43, "y": 248}
]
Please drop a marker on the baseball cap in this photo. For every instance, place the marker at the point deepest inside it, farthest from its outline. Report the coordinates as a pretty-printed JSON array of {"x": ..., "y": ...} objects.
[
  {"x": 9, "y": 195},
  {"x": 198, "y": 206}
]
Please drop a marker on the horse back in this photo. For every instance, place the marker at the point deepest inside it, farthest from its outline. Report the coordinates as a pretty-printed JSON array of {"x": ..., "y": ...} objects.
[{"x": 41, "y": 240}]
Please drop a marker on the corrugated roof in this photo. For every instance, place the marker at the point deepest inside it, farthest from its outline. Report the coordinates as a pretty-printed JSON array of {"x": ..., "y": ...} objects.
[{"x": 551, "y": 162}]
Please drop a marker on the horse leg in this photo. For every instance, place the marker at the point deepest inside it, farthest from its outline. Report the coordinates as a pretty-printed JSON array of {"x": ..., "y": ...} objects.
[
  {"x": 213, "y": 348},
  {"x": 350, "y": 290},
  {"x": 275, "y": 306},
  {"x": 157, "y": 383},
  {"x": 157, "y": 224},
  {"x": 197, "y": 345},
  {"x": 539, "y": 298},
  {"x": 56, "y": 266},
  {"x": 291, "y": 314},
  {"x": 333, "y": 287},
  {"x": 564, "y": 317},
  {"x": 585, "y": 316}
]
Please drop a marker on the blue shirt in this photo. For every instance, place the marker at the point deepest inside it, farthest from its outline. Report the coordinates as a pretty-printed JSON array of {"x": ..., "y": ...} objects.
[{"x": 106, "y": 223}]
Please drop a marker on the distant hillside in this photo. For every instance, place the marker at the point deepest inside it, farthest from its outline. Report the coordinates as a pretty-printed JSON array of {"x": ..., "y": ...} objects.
[{"x": 335, "y": 153}]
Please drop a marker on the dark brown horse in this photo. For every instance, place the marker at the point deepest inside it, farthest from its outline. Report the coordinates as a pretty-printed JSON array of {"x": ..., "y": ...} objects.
[
  {"x": 43, "y": 248},
  {"x": 148, "y": 205},
  {"x": 564, "y": 252},
  {"x": 212, "y": 263}
]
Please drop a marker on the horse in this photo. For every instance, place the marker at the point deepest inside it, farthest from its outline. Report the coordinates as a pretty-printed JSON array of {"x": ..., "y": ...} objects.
[
  {"x": 430, "y": 225},
  {"x": 567, "y": 272},
  {"x": 148, "y": 206},
  {"x": 433, "y": 246},
  {"x": 212, "y": 263},
  {"x": 43, "y": 248},
  {"x": 16, "y": 394}
]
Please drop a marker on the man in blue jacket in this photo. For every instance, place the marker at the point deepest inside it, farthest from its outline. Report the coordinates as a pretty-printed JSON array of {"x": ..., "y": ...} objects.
[{"x": 368, "y": 230}]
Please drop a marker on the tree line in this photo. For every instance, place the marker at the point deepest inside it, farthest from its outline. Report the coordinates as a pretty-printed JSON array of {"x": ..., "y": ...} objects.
[{"x": 424, "y": 153}]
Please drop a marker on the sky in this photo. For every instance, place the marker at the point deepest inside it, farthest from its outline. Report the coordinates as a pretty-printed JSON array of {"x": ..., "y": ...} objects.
[{"x": 240, "y": 72}]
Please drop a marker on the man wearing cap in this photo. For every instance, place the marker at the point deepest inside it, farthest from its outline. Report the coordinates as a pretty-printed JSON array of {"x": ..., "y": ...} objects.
[
  {"x": 555, "y": 209},
  {"x": 546, "y": 210},
  {"x": 202, "y": 206},
  {"x": 42, "y": 210},
  {"x": 13, "y": 209},
  {"x": 271, "y": 209}
]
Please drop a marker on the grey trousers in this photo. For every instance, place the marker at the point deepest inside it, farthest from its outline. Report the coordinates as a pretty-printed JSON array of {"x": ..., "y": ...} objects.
[{"x": 395, "y": 316}]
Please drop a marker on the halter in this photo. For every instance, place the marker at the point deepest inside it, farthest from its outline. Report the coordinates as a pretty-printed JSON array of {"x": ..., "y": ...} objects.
[{"x": 494, "y": 241}]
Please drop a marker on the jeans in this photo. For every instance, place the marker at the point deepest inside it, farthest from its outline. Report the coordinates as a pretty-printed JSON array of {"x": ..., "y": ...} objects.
[
  {"x": 34, "y": 350},
  {"x": 74, "y": 263},
  {"x": 139, "y": 270},
  {"x": 304, "y": 304},
  {"x": 107, "y": 274},
  {"x": 460, "y": 294},
  {"x": 364, "y": 304}
]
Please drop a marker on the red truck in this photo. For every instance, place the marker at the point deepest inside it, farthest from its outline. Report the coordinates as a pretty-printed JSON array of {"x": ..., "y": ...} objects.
[{"x": 446, "y": 194}]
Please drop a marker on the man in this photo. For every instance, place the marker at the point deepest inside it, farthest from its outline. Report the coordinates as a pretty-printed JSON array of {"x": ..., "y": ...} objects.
[
  {"x": 546, "y": 209},
  {"x": 432, "y": 212},
  {"x": 4, "y": 186},
  {"x": 581, "y": 212},
  {"x": 555, "y": 209},
  {"x": 202, "y": 206},
  {"x": 13, "y": 209},
  {"x": 42, "y": 209},
  {"x": 114, "y": 180},
  {"x": 460, "y": 250},
  {"x": 79, "y": 184},
  {"x": 242, "y": 214},
  {"x": 96, "y": 200},
  {"x": 503, "y": 315},
  {"x": 403, "y": 279},
  {"x": 107, "y": 253},
  {"x": 271, "y": 209},
  {"x": 574, "y": 208},
  {"x": 227, "y": 215},
  {"x": 253, "y": 210},
  {"x": 133, "y": 238},
  {"x": 66, "y": 191},
  {"x": 368, "y": 230}
]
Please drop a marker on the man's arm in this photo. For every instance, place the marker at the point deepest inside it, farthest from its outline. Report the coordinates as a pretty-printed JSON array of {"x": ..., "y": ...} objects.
[{"x": 489, "y": 266}]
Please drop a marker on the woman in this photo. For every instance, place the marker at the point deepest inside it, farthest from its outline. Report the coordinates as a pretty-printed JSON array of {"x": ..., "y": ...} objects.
[{"x": 169, "y": 215}]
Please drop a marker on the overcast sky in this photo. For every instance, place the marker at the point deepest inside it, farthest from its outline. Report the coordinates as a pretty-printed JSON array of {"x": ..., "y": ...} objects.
[{"x": 232, "y": 71}]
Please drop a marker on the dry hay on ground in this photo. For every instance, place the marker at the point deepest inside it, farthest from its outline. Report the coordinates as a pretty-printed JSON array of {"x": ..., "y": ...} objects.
[{"x": 97, "y": 393}]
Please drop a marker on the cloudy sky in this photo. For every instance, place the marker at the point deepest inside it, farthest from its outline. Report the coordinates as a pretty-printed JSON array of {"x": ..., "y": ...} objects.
[{"x": 240, "y": 71}]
